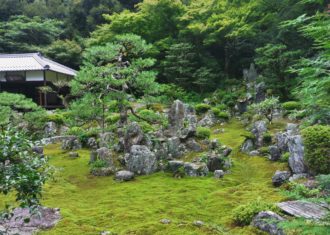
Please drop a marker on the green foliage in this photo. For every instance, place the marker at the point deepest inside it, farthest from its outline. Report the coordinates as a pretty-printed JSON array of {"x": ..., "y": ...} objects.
[
  {"x": 98, "y": 164},
  {"x": 203, "y": 132},
  {"x": 291, "y": 105},
  {"x": 264, "y": 150},
  {"x": 285, "y": 157},
  {"x": 275, "y": 60},
  {"x": 324, "y": 182},
  {"x": 65, "y": 52},
  {"x": 113, "y": 118},
  {"x": 58, "y": 118},
  {"x": 21, "y": 170},
  {"x": 149, "y": 115},
  {"x": 19, "y": 33},
  {"x": 202, "y": 108},
  {"x": 317, "y": 145},
  {"x": 223, "y": 115},
  {"x": 302, "y": 226},
  {"x": 243, "y": 214},
  {"x": 266, "y": 108},
  {"x": 267, "y": 138},
  {"x": 299, "y": 191}
]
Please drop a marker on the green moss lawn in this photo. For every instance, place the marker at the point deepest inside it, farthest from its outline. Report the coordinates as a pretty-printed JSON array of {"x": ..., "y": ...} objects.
[{"x": 90, "y": 205}]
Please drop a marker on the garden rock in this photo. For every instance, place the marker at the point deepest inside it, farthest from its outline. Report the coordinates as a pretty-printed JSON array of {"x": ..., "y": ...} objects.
[
  {"x": 254, "y": 153},
  {"x": 165, "y": 221},
  {"x": 45, "y": 219},
  {"x": 174, "y": 166},
  {"x": 219, "y": 174},
  {"x": 50, "y": 129},
  {"x": 102, "y": 171},
  {"x": 92, "y": 143},
  {"x": 282, "y": 142},
  {"x": 295, "y": 177},
  {"x": 214, "y": 144},
  {"x": 104, "y": 154},
  {"x": 260, "y": 91},
  {"x": 72, "y": 143},
  {"x": 195, "y": 169},
  {"x": 124, "y": 176},
  {"x": 274, "y": 152},
  {"x": 259, "y": 128},
  {"x": 214, "y": 163},
  {"x": 73, "y": 155},
  {"x": 304, "y": 209},
  {"x": 296, "y": 159},
  {"x": 174, "y": 147},
  {"x": 227, "y": 151},
  {"x": 192, "y": 145},
  {"x": 133, "y": 136},
  {"x": 247, "y": 146},
  {"x": 208, "y": 120},
  {"x": 268, "y": 221},
  {"x": 280, "y": 177},
  {"x": 198, "y": 223},
  {"x": 141, "y": 160},
  {"x": 38, "y": 149},
  {"x": 176, "y": 117}
]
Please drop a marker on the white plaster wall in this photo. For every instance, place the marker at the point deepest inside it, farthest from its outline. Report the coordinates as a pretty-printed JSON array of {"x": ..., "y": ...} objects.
[{"x": 32, "y": 76}]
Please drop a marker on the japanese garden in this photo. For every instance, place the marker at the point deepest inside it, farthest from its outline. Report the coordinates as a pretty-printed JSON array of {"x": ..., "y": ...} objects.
[{"x": 164, "y": 117}]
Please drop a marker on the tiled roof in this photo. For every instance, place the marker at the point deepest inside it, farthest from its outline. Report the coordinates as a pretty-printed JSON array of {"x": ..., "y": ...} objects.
[{"x": 31, "y": 61}]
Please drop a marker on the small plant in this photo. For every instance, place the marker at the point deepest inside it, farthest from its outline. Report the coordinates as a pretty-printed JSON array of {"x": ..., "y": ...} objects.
[
  {"x": 179, "y": 173},
  {"x": 243, "y": 214},
  {"x": 267, "y": 138},
  {"x": 55, "y": 117},
  {"x": 113, "y": 118},
  {"x": 317, "y": 145},
  {"x": 285, "y": 157},
  {"x": 149, "y": 115},
  {"x": 203, "y": 132},
  {"x": 291, "y": 105},
  {"x": 98, "y": 164},
  {"x": 223, "y": 115},
  {"x": 264, "y": 150},
  {"x": 202, "y": 108},
  {"x": 266, "y": 108},
  {"x": 324, "y": 182}
]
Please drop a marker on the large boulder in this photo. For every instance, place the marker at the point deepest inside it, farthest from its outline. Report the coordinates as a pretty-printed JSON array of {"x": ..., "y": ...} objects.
[
  {"x": 174, "y": 166},
  {"x": 192, "y": 145},
  {"x": 268, "y": 221},
  {"x": 259, "y": 128},
  {"x": 92, "y": 143},
  {"x": 215, "y": 162},
  {"x": 280, "y": 177},
  {"x": 45, "y": 218},
  {"x": 176, "y": 116},
  {"x": 296, "y": 159},
  {"x": 281, "y": 140},
  {"x": 141, "y": 160},
  {"x": 196, "y": 169},
  {"x": 260, "y": 92}
]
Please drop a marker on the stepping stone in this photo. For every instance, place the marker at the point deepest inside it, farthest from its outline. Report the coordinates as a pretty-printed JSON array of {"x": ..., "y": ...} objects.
[{"x": 307, "y": 210}]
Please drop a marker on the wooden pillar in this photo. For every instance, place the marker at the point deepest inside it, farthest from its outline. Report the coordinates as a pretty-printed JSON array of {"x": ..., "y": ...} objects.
[{"x": 45, "y": 94}]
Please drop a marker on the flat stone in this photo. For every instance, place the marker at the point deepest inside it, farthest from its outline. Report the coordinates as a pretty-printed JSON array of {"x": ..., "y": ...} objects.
[
  {"x": 198, "y": 223},
  {"x": 165, "y": 221},
  {"x": 219, "y": 174},
  {"x": 307, "y": 210},
  {"x": 124, "y": 175}
]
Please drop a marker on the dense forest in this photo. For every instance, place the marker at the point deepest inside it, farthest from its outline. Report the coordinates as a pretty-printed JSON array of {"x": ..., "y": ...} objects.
[{"x": 159, "y": 83}]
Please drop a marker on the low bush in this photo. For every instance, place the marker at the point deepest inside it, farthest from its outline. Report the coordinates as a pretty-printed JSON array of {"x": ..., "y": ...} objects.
[
  {"x": 202, "y": 108},
  {"x": 244, "y": 214},
  {"x": 222, "y": 115},
  {"x": 317, "y": 145},
  {"x": 98, "y": 164},
  {"x": 149, "y": 115},
  {"x": 285, "y": 157},
  {"x": 113, "y": 118},
  {"x": 222, "y": 107},
  {"x": 299, "y": 191},
  {"x": 267, "y": 138},
  {"x": 324, "y": 182},
  {"x": 203, "y": 132},
  {"x": 264, "y": 150},
  {"x": 291, "y": 105},
  {"x": 58, "y": 118}
]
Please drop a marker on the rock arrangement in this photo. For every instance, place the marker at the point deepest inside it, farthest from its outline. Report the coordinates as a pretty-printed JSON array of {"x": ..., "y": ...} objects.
[
  {"x": 267, "y": 221},
  {"x": 131, "y": 150}
]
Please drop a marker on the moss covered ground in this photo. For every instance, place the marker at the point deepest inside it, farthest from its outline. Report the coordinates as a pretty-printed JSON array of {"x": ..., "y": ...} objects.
[{"x": 90, "y": 205}]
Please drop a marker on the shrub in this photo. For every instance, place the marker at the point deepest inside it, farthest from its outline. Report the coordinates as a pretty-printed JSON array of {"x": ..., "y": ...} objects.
[
  {"x": 324, "y": 182},
  {"x": 264, "y": 150},
  {"x": 55, "y": 117},
  {"x": 157, "y": 107},
  {"x": 149, "y": 115},
  {"x": 98, "y": 164},
  {"x": 203, "y": 132},
  {"x": 299, "y": 191},
  {"x": 222, "y": 107},
  {"x": 267, "y": 138},
  {"x": 285, "y": 157},
  {"x": 113, "y": 118},
  {"x": 202, "y": 108},
  {"x": 291, "y": 105},
  {"x": 216, "y": 111},
  {"x": 317, "y": 145},
  {"x": 243, "y": 214},
  {"x": 223, "y": 115}
]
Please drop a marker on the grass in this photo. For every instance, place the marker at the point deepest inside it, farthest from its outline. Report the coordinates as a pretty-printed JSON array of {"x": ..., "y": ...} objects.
[{"x": 90, "y": 204}]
